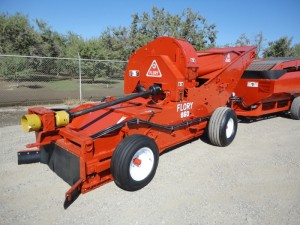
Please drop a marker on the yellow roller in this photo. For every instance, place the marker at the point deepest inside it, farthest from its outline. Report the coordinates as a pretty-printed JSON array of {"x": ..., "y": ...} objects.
[
  {"x": 62, "y": 118},
  {"x": 31, "y": 122}
]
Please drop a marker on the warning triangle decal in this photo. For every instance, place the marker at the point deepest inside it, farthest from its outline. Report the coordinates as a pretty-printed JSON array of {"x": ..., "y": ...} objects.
[
  {"x": 154, "y": 71},
  {"x": 228, "y": 59}
]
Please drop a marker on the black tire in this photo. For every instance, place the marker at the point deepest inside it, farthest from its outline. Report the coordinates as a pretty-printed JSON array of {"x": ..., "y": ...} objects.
[
  {"x": 295, "y": 108},
  {"x": 222, "y": 119},
  {"x": 128, "y": 175}
]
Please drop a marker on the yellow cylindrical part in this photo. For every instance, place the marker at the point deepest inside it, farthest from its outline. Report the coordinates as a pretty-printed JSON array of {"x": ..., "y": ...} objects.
[
  {"x": 62, "y": 118},
  {"x": 31, "y": 122}
]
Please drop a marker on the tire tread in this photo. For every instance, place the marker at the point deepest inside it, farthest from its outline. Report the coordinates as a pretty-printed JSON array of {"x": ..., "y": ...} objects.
[
  {"x": 215, "y": 126},
  {"x": 122, "y": 155},
  {"x": 295, "y": 108}
]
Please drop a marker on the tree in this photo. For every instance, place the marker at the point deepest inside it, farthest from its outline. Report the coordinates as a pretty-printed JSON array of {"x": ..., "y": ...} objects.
[
  {"x": 259, "y": 43},
  {"x": 74, "y": 44},
  {"x": 14, "y": 68},
  {"x": 196, "y": 30},
  {"x": 189, "y": 25},
  {"x": 117, "y": 43},
  {"x": 280, "y": 48},
  {"x": 296, "y": 50},
  {"x": 17, "y": 36},
  {"x": 93, "y": 49},
  {"x": 243, "y": 40},
  {"x": 50, "y": 43}
]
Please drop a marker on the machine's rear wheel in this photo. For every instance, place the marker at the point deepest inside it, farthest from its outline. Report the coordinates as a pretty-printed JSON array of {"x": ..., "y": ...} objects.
[
  {"x": 134, "y": 162},
  {"x": 295, "y": 108},
  {"x": 222, "y": 126}
]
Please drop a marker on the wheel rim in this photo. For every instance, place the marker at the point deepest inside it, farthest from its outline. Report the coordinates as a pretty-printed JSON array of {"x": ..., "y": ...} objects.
[
  {"x": 229, "y": 128},
  {"x": 141, "y": 164}
]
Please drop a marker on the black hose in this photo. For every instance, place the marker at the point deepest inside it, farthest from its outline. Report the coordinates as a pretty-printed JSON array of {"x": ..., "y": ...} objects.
[
  {"x": 153, "y": 90},
  {"x": 139, "y": 121}
]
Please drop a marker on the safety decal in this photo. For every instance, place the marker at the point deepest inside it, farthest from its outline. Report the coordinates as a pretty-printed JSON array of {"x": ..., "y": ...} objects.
[
  {"x": 252, "y": 84},
  {"x": 180, "y": 84},
  {"x": 192, "y": 60},
  {"x": 154, "y": 70},
  {"x": 134, "y": 73},
  {"x": 228, "y": 58}
]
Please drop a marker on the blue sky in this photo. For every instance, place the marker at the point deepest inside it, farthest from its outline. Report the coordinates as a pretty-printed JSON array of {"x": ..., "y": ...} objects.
[{"x": 275, "y": 18}]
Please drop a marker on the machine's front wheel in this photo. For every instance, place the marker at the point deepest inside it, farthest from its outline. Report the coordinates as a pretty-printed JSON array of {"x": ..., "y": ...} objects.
[
  {"x": 134, "y": 162},
  {"x": 222, "y": 126},
  {"x": 295, "y": 108}
]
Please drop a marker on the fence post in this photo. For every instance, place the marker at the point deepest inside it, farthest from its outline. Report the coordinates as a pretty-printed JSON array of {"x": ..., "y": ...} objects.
[{"x": 79, "y": 67}]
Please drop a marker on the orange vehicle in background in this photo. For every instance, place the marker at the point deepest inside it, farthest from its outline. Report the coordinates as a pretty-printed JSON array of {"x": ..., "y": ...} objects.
[{"x": 269, "y": 86}]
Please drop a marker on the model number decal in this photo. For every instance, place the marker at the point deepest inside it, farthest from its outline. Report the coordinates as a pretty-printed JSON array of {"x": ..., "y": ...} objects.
[{"x": 184, "y": 109}]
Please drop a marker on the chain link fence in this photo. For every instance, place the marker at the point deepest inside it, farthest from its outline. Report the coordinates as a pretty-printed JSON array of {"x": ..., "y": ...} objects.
[{"x": 28, "y": 80}]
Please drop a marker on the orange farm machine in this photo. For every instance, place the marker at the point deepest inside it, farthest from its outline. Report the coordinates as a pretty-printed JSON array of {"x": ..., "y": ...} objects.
[
  {"x": 269, "y": 86},
  {"x": 174, "y": 94}
]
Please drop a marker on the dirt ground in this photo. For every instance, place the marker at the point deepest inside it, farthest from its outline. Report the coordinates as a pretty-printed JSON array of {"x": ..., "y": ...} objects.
[
  {"x": 255, "y": 180},
  {"x": 55, "y": 92}
]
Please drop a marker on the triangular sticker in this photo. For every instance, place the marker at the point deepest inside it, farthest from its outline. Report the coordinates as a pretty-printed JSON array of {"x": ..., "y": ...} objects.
[
  {"x": 154, "y": 70},
  {"x": 228, "y": 58}
]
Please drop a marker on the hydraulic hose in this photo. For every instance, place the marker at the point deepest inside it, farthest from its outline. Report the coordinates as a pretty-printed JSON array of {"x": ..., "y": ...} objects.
[{"x": 153, "y": 90}]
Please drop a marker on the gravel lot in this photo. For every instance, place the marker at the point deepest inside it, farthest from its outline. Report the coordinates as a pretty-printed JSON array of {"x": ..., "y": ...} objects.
[{"x": 255, "y": 180}]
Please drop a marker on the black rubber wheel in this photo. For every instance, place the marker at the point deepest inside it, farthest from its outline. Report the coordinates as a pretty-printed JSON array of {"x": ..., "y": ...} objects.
[
  {"x": 134, "y": 162},
  {"x": 222, "y": 126},
  {"x": 295, "y": 108}
]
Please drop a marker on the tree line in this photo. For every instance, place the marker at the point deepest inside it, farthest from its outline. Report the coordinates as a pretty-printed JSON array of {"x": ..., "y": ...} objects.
[
  {"x": 279, "y": 48},
  {"x": 20, "y": 36}
]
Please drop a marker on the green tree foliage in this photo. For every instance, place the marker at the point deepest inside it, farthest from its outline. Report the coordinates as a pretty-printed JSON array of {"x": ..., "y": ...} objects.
[
  {"x": 243, "y": 40},
  {"x": 117, "y": 43},
  {"x": 189, "y": 25},
  {"x": 296, "y": 50},
  {"x": 257, "y": 41},
  {"x": 49, "y": 43},
  {"x": 17, "y": 36},
  {"x": 14, "y": 68},
  {"x": 94, "y": 49},
  {"x": 73, "y": 45},
  {"x": 279, "y": 48}
]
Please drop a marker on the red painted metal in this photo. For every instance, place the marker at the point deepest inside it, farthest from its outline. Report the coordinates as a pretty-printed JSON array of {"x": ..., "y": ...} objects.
[
  {"x": 262, "y": 95},
  {"x": 193, "y": 85}
]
